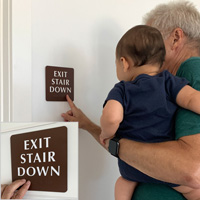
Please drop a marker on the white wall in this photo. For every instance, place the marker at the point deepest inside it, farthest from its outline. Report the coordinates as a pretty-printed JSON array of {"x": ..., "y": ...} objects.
[{"x": 82, "y": 35}]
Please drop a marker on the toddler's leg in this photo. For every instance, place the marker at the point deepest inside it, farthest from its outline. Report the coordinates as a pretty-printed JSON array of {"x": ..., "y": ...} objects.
[
  {"x": 124, "y": 189},
  {"x": 188, "y": 193}
]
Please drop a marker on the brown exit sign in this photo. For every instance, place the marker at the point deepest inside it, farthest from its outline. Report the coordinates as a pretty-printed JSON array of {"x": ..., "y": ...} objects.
[
  {"x": 59, "y": 83},
  {"x": 41, "y": 157}
]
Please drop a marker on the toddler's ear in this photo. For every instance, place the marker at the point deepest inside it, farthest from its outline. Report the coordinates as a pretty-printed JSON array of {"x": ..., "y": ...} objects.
[{"x": 125, "y": 64}]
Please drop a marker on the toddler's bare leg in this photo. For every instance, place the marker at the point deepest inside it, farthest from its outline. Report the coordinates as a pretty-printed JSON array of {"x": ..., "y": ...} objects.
[
  {"x": 124, "y": 189},
  {"x": 188, "y": 193}
]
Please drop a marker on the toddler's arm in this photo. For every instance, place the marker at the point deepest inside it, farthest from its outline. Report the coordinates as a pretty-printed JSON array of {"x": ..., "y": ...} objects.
[
  {"x": 189, "y": 98},
  {"x": 111, "y": 118}
]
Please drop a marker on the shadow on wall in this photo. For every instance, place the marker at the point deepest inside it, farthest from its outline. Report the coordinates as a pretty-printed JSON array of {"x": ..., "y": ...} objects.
[
  {"x": 105, "y": 35},
  {"x": 95, "y": 162}
]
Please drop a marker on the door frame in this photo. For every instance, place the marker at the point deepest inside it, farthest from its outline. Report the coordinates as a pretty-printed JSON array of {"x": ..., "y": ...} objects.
[
  {"x": 16, "y": 76},
  {"x": 5, "y": 60}
]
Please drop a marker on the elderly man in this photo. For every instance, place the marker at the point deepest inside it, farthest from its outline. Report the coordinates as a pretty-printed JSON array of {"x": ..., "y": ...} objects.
[{"x": 175, "y": 161}]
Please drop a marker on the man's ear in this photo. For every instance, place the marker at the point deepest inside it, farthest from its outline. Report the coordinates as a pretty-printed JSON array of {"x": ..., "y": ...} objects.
[
  {"x": 177, "y": 37},
  {"x": 125, "y": 64}
]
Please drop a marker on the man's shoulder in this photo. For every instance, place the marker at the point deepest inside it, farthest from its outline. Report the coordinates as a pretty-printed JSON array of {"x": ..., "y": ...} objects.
[
  {"x": 190, "y": 69},
  {"x": 191, "y": 65}
]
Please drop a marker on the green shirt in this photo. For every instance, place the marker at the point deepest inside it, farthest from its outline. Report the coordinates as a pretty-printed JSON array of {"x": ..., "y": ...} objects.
[{"x": 187, "y": 123}]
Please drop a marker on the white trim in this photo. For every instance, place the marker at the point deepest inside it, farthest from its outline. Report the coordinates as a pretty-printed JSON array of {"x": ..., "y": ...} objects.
[
  {"x": 9, "y": 59},
  {"x": 1, "y": 60},
  {"x": 6, "y": 63}
]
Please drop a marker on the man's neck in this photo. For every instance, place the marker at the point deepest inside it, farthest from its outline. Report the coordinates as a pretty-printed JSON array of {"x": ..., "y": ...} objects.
[{"x": 182, "y": 56}]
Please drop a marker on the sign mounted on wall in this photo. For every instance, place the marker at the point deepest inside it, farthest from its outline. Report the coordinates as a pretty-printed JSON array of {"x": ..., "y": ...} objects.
[
  {"x": 41, "y": 157},
  {"x": 59, "y": 83}
]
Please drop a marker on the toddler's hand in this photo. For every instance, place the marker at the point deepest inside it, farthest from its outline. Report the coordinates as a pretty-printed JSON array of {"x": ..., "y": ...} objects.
[{"x": 102, "y": 140}]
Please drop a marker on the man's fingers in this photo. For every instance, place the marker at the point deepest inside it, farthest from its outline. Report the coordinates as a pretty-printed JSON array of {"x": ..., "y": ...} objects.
[
  {"x": 22, "y": 191},
  {"x": 68, "y": 117},
  {"x": 10, "y": 189},
  {"x": 70, "y": 102},
  {"x": 70, "y": 113},
  {"x": 3, "y": 186}
]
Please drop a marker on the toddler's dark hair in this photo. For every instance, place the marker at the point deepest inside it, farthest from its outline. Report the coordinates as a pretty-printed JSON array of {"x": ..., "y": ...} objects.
[{"x": 143, "y": 44}]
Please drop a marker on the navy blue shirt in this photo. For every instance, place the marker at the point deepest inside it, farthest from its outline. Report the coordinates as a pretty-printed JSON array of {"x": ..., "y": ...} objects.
[{"x": 149, "y": 104}]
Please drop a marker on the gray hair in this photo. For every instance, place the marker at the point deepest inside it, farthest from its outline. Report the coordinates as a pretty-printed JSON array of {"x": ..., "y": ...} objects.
[{"x": 178, "y": 14}]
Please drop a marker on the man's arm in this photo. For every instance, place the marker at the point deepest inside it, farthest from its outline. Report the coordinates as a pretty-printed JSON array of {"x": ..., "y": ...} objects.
[{"x": 174, "y": 161}]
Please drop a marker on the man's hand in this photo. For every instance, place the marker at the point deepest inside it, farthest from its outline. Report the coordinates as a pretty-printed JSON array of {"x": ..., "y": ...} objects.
[
  {"x": 76, "y": 115},
  {"x": 11, "y": 192}
]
